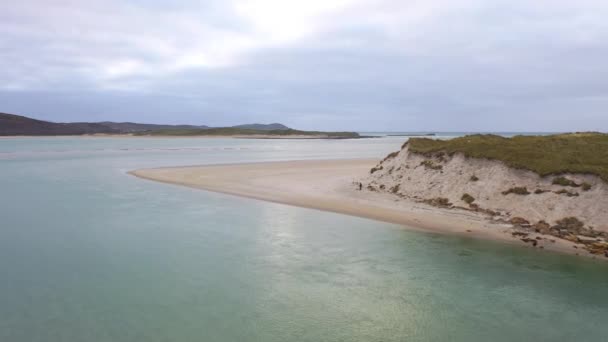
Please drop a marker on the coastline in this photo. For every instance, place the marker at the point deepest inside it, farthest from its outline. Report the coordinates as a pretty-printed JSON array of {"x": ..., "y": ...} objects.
[
  {"x": 260, "y": 136},
  {"x": 328, "y": 185}
]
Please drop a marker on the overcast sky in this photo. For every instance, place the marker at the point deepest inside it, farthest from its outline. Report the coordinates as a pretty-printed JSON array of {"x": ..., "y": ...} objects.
[{"x": 401, "y": 65}]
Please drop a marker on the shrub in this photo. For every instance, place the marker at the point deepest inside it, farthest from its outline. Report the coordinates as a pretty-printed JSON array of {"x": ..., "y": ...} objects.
[
  {"x": 563, "y": 181},
  {"x": 571, "y": 224},
  {"x": 429, "y": 164},
  {"x": 586, "y": 186},
  {"x": 438, "y": 202},
  {"x": 567, "y": 193},
  {"x": 519, "y": 221},
  {"x": 376, "y": 168},
  {"x": 540, "y": 191},
  {"x": 395, "y": 189},
  {"x": 391, "y": 155},
  {"x": 542, "y": 227},
  {"x": 474, "y": 178},
  {"x": 468, "y": 198},
  {"x": 518, "y": 190}
]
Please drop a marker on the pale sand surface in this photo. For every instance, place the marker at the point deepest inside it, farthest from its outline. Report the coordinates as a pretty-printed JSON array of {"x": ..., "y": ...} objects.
[{"x": 329, "y": 185}]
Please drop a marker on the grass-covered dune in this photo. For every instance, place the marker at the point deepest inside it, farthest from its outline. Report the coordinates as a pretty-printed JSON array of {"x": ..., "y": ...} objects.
[
  {"x": 585, "y": 153},
  {"x": 235, "y": 131}
]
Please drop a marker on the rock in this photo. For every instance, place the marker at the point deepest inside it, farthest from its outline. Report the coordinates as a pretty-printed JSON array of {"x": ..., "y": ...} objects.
[
  {"x": 570, "y": 237},
  {"x": 542, "y": 227},
  {"x": 596, "y": 251},
  {"x": 598, "y": 248},
  {"x": 520, "y": 221},
  {"x": 570, "y": 224},
  {"x": 585, "y": 239},
  {"x": 519, "y": 234},
  {"x": 602, "y": 245},
  {"x": 532, "y": 241}
]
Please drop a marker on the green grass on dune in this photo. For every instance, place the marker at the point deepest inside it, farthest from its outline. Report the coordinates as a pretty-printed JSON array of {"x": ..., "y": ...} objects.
[
  {"x": 232, "y": 131},
  {"x": 585, "y": 153}
]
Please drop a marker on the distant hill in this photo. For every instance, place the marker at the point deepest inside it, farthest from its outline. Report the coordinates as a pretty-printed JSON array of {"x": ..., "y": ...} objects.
[
  {"x": 132, "y": 127},
  {"x": 11, "y": 124},
  {"x": 245, "y": 132},
  {"x": 264, "y": 127}
]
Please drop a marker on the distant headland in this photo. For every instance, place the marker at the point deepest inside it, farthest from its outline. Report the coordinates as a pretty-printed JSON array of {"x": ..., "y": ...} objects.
[{"x": 17, "y": 125}]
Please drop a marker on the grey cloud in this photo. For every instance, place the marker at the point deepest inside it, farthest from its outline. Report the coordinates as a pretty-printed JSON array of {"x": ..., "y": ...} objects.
[{"x": 478, "y": 67}]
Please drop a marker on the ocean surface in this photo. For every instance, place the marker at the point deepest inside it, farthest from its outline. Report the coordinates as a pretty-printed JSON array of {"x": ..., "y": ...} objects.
[{"x": 90, "y": 253}]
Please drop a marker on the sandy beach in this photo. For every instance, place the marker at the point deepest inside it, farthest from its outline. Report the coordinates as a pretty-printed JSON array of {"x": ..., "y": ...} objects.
[{"x": 331, "y": 185}]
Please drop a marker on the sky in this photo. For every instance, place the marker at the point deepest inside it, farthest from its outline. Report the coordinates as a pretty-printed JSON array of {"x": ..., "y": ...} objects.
[{"x": 366, "y": 65}]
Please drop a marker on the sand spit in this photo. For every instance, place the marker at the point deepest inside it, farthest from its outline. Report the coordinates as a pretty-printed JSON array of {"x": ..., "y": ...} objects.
[{"x": 334, "y": 185}]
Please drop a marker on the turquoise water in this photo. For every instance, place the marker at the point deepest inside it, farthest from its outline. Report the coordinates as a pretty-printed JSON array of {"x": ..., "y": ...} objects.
[{"x": 89, "y": 253}]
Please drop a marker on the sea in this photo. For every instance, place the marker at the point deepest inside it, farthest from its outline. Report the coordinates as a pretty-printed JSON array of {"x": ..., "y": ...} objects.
[{"x": 90, "y": 253}]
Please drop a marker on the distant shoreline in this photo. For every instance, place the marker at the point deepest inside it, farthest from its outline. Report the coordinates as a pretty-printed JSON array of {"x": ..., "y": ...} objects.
[{"x": 299, "y": 137}]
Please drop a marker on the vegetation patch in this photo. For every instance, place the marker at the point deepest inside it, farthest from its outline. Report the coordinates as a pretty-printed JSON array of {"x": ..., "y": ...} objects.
[
  {"x": 586, "y": 186},
  {"x": 518, "y": 190},
  {"x": 585, "y": 153},
  {"x": 570, "y": 224},
  {"x": 391, "y": 156},
  {"x": 567, "y": 193},
  {"x": 474, "y": 178},
  {"x": 438, "y": 202},
  {"x": 376, "y": 168},
  {"x": 429, "y": 164},
  {"x": 563, "y": 181},
  {"x": 440, "y": 156},
  {"x": 540, "y": 191},
  {"x": 542, "y": 227},
  {"x": 468, "y": 198},
  {"x": 395, "y": 188},
  {"x": 519, "y": 221}
]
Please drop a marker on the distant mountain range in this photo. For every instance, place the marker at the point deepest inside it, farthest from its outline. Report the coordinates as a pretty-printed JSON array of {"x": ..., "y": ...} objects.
[{"x": 11, "y": 124}]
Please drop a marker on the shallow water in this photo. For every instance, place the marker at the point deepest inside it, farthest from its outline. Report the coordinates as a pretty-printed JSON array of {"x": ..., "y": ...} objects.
[{"x": 89, "y": 253}]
